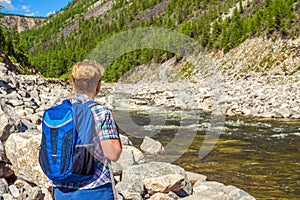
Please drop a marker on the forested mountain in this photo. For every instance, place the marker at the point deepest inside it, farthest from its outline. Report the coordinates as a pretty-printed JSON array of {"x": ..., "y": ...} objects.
[
  {"x": 218, "y": 25},
  {"x": 12, "y": 49}
]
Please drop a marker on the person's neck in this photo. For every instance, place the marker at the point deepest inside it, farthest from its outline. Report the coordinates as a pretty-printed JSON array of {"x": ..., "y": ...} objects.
[{"x": 90, "y": 95}]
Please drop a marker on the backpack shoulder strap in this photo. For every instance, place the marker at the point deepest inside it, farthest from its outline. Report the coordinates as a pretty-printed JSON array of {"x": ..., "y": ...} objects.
[{"x": 91, "y": 104}]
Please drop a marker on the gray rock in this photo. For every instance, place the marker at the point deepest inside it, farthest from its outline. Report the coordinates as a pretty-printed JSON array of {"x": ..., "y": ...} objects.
[
  {"x": 25, "y": 163},
  {"x": 151, "y": 146},
  {"x": 199, "y": 197},
  {"x": 15, "y": 102},
  {"x": 46, "y": 194},
  {"x": 194, "y": 177},
  {"x": 133, "y": 176},
  {"x": 36, "y": 194},
  {"x": 24, "y": 187},
  {"x": 141, "y": 102},
  {"x": 2, "y": 153},
  {"x": 126, "y": 159},
  {"x": 8, "y": 197},
  {"x": 125, "y": 140},
  {"x": 24, "y": 93},
  {"x": 133, "y": 190},
  {"x": 6, "y": 86},
  {"x": 3, "y": 69},
  {"x": 3, "y": 186},
  {"x": 14, "y": 191},
  {"x": 129, "y": 156},
  {"x": 285, "y": 112},
  {"x": 9, "y": 123},
  {"x": 212, "y": 190},
  {"x": 13, "y": 95},
  {"x": 202, "y": 186},
  {"x": 150, "y": 170},
  {"x": 160, "y": 196},
  {"x": 236, "y": 193},
  {"x": 165, "y": 184}
]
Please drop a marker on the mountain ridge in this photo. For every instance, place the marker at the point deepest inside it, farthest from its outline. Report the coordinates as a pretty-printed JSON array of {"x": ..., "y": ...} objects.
[
  {"x": 218, "y": 26},
  {"x": 21, "y": 23}
]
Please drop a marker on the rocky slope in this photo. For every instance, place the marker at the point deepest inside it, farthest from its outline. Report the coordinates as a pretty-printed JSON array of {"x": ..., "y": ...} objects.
[
  {"x": 21, "y": 22},
  {"x": 261, "y": 55},
  {"x": 259, "y": 78}
]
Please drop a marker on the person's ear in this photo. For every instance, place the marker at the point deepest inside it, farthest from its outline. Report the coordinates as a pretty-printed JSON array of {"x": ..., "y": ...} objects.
[
  {"x": 98, "y": 87},
  {"x": 72, "y": 81}
]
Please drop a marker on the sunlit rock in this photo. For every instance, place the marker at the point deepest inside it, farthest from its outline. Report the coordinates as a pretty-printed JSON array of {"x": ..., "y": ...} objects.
[
  {"x": 151, "y": 146},
  {"x": 22, "y": 149}
]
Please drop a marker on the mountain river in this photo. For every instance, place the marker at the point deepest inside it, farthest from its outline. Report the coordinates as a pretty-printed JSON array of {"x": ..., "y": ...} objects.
[{"x": 260, "y": 156}]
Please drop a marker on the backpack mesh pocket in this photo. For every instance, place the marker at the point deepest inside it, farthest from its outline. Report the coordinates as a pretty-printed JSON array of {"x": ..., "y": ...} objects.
[{"x": 83, "y": 161}]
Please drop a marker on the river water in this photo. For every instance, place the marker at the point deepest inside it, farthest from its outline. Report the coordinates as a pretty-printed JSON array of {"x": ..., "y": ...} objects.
[{"x": 260, "y": 156}]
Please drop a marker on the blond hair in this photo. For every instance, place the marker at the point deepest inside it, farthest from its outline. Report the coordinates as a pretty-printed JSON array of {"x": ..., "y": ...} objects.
[{"x": 86, "y": 76}]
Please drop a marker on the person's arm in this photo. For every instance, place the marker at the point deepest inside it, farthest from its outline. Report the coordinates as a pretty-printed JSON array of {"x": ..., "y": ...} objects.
[
  {"x": 112, "y": 149},
  {"x": 110, "y": 140}
]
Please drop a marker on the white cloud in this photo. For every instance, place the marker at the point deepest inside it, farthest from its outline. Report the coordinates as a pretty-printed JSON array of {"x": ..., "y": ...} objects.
[
  {"x": 29, "y": 14},
  {"x": 25, "y": 8},
  {"x": 50, "y": 13},
  {"x": 7, "y": 4}
]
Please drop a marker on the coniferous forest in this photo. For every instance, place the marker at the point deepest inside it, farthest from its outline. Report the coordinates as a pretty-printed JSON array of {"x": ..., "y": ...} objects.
[{"x": 218, "y": 25}]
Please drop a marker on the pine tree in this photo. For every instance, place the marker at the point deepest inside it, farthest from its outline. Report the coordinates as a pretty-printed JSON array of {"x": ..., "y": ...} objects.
[
  {"x": 235, "y": 28},
  {"x": 241, "y": 9},
  {"x": 2, "y": 39}
]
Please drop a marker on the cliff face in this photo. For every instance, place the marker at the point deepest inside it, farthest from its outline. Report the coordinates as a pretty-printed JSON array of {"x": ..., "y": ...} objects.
[{"x": 22, "y": 22}]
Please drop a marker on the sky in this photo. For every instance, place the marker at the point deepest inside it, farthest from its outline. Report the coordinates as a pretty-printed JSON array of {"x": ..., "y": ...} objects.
[{"x": 37, "y": 8}]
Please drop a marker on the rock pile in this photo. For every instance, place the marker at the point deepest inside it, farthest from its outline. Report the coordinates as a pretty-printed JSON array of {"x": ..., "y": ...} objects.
[
  {"x": 253, "y": 95},
  {"x": 264, "y": 96},
  {"x": 23, "y": 100}
]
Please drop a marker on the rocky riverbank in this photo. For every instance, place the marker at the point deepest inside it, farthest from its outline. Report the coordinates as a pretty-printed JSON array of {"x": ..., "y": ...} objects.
[
  {"x": 23, "y": 100},
  {"x": 252, "y": 95}
]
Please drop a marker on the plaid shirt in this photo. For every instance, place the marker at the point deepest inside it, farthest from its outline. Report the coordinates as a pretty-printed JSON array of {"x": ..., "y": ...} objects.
[{"x": 105, "y": 129}]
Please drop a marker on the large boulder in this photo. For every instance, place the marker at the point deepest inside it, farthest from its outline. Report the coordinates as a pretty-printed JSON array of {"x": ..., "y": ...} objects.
[
  {"x": 129, "y": 156},
  {"x": 150, "y": 170},
  {"x": 22, "y": 149},
  {"x": 131, "y": 185}
]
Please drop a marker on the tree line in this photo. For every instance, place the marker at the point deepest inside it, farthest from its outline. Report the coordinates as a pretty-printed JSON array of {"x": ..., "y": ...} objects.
[{"x": 54, "y": 50}]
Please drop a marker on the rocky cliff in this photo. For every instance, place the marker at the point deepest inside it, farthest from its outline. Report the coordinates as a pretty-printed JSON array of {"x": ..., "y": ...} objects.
[{"x": 21, "y": 22}]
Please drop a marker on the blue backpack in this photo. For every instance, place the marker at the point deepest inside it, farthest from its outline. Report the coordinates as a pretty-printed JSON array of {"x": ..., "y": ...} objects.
[{"x": 66, "y": 153}]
